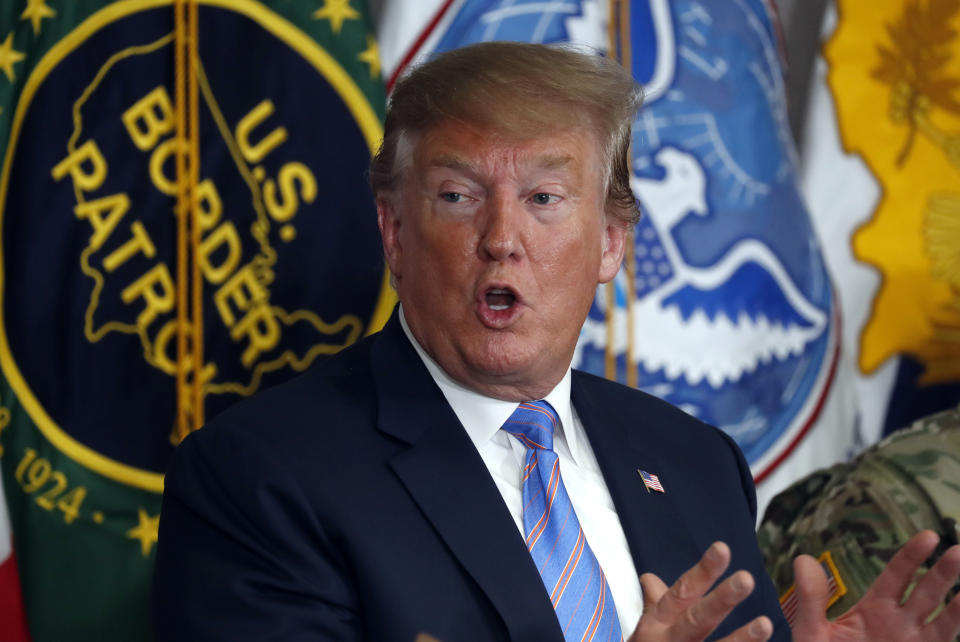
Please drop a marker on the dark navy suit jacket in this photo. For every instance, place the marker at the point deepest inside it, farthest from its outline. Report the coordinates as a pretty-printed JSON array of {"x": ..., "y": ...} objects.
[{"x": 350, "y": 504}]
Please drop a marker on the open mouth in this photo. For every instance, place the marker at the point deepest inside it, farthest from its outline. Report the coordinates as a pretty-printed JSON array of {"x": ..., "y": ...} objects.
[
  {"x": 499, "y": 299},
  {"x": 499, "y": 307}
]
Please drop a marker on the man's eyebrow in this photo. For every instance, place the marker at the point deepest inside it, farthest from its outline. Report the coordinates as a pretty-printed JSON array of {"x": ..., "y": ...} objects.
[
  {"x": 451, "y": 162},
  {"x": 554, "y": 161},
  {"x": 547, "y": 161}
]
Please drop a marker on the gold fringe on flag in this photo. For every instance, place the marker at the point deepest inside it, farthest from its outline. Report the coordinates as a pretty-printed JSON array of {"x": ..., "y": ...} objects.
[
  {"x": 619, "y": 36},
  {"x": 189, "y": 277}
]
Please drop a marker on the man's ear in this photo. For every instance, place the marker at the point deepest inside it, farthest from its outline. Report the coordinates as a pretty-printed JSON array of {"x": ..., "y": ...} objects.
[
  {"x": 614, "y": 245},
  {"x": 389, "y": 223}
]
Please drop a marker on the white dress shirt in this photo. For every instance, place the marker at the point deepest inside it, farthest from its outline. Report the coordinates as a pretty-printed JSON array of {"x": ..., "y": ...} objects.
[{"x": 504, "y": 457}]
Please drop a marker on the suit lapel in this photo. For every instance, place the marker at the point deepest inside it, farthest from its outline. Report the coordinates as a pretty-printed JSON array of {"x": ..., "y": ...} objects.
[
  {"x": 446, "y": 477},
  {"x": 654, "y": 524}
]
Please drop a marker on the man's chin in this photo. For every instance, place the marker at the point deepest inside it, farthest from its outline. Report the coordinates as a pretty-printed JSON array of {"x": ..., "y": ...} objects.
[{"x": 503, "y": 369}]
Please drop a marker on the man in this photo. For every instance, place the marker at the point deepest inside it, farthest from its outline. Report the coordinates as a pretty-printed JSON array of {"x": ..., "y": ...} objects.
[{"x": 451, "y": 476}]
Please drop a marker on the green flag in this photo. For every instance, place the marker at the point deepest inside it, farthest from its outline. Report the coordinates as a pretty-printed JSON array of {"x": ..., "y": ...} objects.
[{"x": 146, "y": 286}]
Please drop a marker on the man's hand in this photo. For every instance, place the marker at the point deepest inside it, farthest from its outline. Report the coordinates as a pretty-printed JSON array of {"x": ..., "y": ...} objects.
[
  {"x": 686, "y": 612},
  {"x": 879, "y": 615}
]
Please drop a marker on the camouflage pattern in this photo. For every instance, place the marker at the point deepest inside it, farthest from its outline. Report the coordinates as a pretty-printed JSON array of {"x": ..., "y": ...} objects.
[{"x": 865, "y": 510}]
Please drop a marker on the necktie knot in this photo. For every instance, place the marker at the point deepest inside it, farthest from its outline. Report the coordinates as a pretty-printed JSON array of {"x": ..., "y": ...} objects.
[{"x": 533, "y": 423}]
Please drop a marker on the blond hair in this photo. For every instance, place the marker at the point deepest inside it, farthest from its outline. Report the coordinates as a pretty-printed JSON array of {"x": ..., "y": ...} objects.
[{"x": 521, "y": 90}]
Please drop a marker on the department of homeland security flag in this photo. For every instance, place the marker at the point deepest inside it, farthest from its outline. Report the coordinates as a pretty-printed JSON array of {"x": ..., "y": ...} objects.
[
  {"x": 881, "y": 172},
  {"x": 182, "y": 223},
  {"x": 725, "y": 307}
]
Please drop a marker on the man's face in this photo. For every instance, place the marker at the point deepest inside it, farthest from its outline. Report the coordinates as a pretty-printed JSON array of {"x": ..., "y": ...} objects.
[{"x": 497, "y": 246}]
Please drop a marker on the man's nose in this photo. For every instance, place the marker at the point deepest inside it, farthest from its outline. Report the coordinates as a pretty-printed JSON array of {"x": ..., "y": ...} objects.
[{"x": 502, "y": 228}]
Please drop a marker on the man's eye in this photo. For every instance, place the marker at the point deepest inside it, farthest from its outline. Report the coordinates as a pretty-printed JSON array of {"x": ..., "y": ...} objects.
[
  {"x": 452, "y": 197},
  {"x": 542, "y": 198}
]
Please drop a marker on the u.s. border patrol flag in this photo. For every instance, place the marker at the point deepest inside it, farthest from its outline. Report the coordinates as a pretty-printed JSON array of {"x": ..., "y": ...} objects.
[
  {"x": 725, "y": 307},
  {"x": 881, "y": 172},
  {"x": 183, "y": 221}
]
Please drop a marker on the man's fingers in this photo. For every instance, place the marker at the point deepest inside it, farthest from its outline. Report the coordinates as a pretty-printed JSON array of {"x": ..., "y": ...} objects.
[
  {"x": 702, "y": 617},
  {"x": 653, "y": 589},
  {"x": 686, "y": 611},
  {"x": 930, "y": 591},
  {"x": 694, "y": 583},
  {"x": 947, "y": 625},
  {"x": 813, "y": 593},
  {"x": 899, "y": 572},
  {"x": 755, "y": 630}
]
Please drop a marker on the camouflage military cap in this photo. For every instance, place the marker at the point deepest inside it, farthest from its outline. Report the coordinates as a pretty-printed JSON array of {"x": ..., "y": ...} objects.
[{"x": 855, "y": 516}]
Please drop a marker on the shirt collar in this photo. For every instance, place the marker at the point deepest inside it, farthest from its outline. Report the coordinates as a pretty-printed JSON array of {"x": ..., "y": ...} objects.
[{"x": 483, "y": 416}]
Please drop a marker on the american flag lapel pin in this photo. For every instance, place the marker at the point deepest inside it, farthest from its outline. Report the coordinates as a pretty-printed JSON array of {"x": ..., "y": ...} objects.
[{"x": 651, "y": 481}]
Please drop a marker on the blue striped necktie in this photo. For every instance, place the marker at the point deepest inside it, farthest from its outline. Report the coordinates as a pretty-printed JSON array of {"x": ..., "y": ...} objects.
[{"x": 571, "y": 574}]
